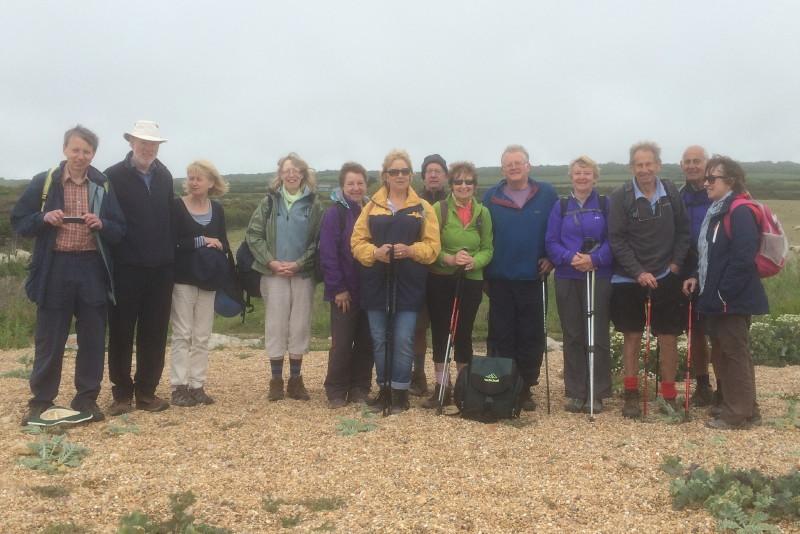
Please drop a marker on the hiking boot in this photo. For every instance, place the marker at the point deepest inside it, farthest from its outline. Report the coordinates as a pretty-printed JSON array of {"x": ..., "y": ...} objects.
[
  {"x": 526, "y": 401},
  {"x": 576, "y": 405},
  {"x": 181, "y": 397},
  {"x": 433, "y": 400},
  {"x": 399, "y": 401},
  {"x": 631, "y": 408},
  {"x": 150, "y": 403},
  {"x": 91, "y": 407},
  {"x": 376, "y": 403},
  {"x": 598, "y": 406},
  {"x": 419, "y": 382},
  {"x": 720, "y": 424},
  {"x": 34, "y": 412},
  {"x": 119, "y": 407},
  {"x": 703, "y": 396},
  {"x": 357, "y": 395},
  {"x": 337, "y": 402},
  {"x": 295, "y": 388},
  {"x": 200, "y": 396},
  {"x": 275, "y": 388}
]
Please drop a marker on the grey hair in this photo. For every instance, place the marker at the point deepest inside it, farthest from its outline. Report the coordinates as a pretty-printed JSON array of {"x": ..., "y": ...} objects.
[
  {"x": 516, "y": 148},
  {"x": 647, "y": 146}
]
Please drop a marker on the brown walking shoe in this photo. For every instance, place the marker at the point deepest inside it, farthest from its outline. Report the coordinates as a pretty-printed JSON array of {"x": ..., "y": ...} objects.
[
  {"x": 631, "y": 408},
  {"x": 150, "y": 403},
  {"x": 295, "y": 388},
  {"x": 119, "y": 407},
  {"x": 275, "y": 388}
]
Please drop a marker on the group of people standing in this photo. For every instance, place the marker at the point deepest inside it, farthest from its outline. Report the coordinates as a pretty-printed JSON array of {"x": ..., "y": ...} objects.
[{"x": 391, "y": 265}]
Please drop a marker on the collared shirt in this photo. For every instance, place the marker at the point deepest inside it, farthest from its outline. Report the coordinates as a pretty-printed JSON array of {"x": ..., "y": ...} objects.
[
  {"x": 75, "y": 237},
  {"x": 637, "y": 194}
]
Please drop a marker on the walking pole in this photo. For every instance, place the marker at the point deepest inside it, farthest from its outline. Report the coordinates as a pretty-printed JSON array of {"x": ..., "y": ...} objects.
[
  {"x": 451, "y": 337},
  {"x": 686, "y": 378},
  {"x": 388, "y": 354},
  {"x": 648, "y": 309},
  {"x": 590, "y": 279},
  {"x": 546, "y": 362}
]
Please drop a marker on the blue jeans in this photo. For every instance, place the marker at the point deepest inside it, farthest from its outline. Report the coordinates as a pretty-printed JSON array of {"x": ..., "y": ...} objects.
[{"x": 403, "y": 354}]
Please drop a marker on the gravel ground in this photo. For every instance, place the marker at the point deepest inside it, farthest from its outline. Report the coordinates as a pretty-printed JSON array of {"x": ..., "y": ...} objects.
[{"x": 413, "y": 473}]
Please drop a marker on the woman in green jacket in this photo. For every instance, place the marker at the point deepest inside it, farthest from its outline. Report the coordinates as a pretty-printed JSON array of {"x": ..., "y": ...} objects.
[
  {"x": 282, "y": 236},
  {"x": 466, "y": 234}
]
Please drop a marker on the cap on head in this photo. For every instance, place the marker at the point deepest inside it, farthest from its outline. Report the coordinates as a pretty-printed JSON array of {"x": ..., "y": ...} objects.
[
  {"x": 433, "y": 158},
  {"x": 145, "y": 130}
]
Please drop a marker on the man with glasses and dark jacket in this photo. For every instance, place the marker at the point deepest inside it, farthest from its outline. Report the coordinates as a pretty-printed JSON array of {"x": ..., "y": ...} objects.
[{"x": 649, "y": 235}]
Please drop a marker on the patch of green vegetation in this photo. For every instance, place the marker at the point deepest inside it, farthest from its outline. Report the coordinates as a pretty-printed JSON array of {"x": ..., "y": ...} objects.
[
  {"x": 323, "y": 504},
  {"x": 126, "y": 426},
  {"x": 51, "y": 492},
  {"x": 54, "y": 454},
  {"x": 790, "y": 420},
  {"x": 181, "y": 522},
  {"x": 348, "y": 426},
  {"x": 745, "y": 501},
  {"x": 291, "y": 521},
  {"x": 668, "y": 414},
  {"x": 65, "y": 528},
  {"x": 24, "y": 373}
]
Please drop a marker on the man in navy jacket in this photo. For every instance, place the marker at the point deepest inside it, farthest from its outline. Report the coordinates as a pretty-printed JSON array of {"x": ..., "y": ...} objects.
[
  {"x": 143, "y": 272},
  {"x": 74, "y": 216},
  {"x": 520, "y": 207}
]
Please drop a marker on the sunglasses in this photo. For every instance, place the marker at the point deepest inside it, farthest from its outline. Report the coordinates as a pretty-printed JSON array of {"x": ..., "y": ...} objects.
[
  {"x": 394, "y": 173},
  {"x": 461, "y": 181},
  {"x": 711, "y": 178}
]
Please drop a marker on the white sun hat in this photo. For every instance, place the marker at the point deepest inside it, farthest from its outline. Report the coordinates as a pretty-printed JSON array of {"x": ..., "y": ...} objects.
[{"x": 145, "y": 130}]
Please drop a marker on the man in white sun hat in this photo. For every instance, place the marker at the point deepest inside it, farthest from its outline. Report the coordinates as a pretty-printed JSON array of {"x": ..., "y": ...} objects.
[{"x": 143, "y": 272}]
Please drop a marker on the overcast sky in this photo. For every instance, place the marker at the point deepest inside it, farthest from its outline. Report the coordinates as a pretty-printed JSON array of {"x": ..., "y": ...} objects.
[{"x": 242, "y": 83}]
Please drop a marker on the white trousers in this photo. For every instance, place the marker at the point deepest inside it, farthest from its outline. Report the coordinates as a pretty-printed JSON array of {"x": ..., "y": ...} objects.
[
  {"x": 192, "y": 318},
  {"x": 287, "y": 327}
]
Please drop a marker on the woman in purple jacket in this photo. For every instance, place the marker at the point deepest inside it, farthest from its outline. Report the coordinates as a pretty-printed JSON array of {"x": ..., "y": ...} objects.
[
  {"x": 350, "y": 356},
  {"x": 577, "y": 243}
]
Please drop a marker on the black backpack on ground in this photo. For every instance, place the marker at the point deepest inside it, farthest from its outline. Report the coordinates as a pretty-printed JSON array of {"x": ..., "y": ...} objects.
[{"x": 489, "y": 389}]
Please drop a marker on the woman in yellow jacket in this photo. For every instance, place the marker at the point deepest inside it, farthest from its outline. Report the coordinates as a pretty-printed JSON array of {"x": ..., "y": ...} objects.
[{"x": 394, "y": 239}]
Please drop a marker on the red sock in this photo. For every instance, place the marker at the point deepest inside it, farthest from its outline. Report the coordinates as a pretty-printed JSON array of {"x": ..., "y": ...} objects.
[
  {"x": 632, "y": 383},
  {"x": 668, "y": 390}
]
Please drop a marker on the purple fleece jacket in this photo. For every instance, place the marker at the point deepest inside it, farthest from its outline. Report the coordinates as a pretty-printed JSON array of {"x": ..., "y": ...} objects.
[
  {"x": 565, "y": 236},
  {"x": 339, "y": 269}
]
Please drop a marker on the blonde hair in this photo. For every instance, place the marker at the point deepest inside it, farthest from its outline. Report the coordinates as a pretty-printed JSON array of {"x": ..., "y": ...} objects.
[
  {"x": 309, "y": 174},
  {"x": 220, "y": 185},
  {"x": 393, "y": 156},
  {"x": 585, "y": 161}
]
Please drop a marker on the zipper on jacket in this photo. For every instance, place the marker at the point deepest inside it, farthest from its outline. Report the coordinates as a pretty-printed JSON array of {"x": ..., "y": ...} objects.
[
  {"x": 716, "y": 229},
  {"x": 724, "y": 304}
]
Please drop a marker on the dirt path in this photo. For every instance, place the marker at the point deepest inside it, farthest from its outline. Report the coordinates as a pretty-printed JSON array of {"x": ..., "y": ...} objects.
[{"x": 413, "y": 473}]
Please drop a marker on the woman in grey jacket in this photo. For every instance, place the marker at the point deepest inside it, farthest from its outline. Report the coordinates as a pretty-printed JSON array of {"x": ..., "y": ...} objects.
[{"x": 282, "y": 236}]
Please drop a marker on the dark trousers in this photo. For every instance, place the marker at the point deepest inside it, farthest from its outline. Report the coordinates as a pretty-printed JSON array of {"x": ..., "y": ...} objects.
[
  {"x": 144, "y": 298},
  {"x": 350, "y": 357},
  {"x": 440, "y": 294},
  {"x": 731, "y": 333},
  {"x": 516, "y": 324},
  {"x": 76, "y": 286},
  {"x": 572, "y": 310}
]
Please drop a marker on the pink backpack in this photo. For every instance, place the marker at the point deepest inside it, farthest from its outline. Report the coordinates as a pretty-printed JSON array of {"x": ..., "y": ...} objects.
[{"x": 774, "y": 247}]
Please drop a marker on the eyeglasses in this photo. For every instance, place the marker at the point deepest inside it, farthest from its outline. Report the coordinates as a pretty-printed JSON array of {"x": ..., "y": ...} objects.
[
  {"x": 394, "y": 173},
  {"x": 711, "y": 178},
  {"x": 461, "y": 181},
  {"x": 290, "y": 172}
]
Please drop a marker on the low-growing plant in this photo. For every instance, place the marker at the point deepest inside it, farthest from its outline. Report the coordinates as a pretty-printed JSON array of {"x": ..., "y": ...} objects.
[
  {"x": 790, "y": 420},
  {"x": 322, "y": 504},
  {"x": 54, "y": 454},
  {"x": 741, "y": 500},
  {"x": 65, "y": 528},
  {"x": 668, "y": 414},
  {"x": 126, "y": 426},
  {"x": 775, "y": 341},
  {"x": 51, "y": 492},
  {"x": 291, "y": 521},
  {"x": 181, "y": 522},
  {"x": 348, "y": 426}
]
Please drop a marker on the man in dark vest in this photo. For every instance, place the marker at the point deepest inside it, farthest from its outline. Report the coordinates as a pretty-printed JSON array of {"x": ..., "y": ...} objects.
[
  {"x": 143, "y": 272},
  {"x": 434, "y": 179}
]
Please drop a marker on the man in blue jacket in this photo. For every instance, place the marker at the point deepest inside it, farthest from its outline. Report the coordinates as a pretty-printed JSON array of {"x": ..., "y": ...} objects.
[
  {"x": 143, "y": 272},
  {"x": 520, "y": 207},
  {"x": 695, "y": 199},
  {"x": 74, "y": 216}
]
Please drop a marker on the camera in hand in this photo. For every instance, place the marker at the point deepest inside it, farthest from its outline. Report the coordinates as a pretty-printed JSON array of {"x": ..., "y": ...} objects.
[{"x": 73, "y": 220}]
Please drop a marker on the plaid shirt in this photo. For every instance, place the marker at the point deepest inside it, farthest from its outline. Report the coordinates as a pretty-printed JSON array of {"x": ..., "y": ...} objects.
[{"x": 75, "y": 237}]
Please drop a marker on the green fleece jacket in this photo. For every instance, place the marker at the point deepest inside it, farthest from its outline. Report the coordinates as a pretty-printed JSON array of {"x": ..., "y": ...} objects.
[
  {"x": 261, "y": 232},
  {"x": 477, "y": 241}
]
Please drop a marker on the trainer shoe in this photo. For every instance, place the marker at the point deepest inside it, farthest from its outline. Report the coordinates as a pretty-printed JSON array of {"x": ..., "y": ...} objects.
[
  {"x": 181, "y": 397},
  {"x": 91, "y": 407},
  {"x": 34, "y": 412},
  {"x": 631, "y": 409}
]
